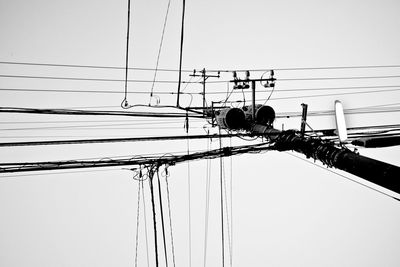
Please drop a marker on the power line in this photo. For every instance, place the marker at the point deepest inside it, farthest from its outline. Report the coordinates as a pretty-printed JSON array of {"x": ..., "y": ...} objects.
[
  {"x": 341, "y": 175},
  {"x": 88, "y": 66},
  {"x": 310, "y": 68},
  {"x": 338, "y": 78},
  {"x": 127, "y": 54},
  {"x": 313, "y": 89},
  {"x": 128, "y": 121},
  {"x": 89, "y": 79},
  {"x": 98, "y": 127},
  {"x": 325, "y": 95},
  {"x": 210, "y": 93},
  {"x": 180, "y": 81},
  {"x": 159, "y": 49},
  {"x": 181, "y": 52},
  {"x": 170, "y": 217},
  {"x": 162, "y": 217},
  {"x": 97, "y": 113},
  {"x": 331, "y": 112},
  {"x": 118, "y": 140},
  {"x": 212, "y": 70},
  {"x": 83, "y": 91},
  {"x": 133, "y": 161}
]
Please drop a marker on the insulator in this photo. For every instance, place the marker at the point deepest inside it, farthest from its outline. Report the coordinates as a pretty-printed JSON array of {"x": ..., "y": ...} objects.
[
  {"x": 247, "y": 75},
  {"x": 231, "y": 118},
  {"x": 265, "y": 115}
]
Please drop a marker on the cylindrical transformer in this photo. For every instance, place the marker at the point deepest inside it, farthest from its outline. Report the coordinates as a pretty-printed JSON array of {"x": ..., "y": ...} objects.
[
  {"x": 265, "y": 115},
  {"x": 231, "y": 118}
]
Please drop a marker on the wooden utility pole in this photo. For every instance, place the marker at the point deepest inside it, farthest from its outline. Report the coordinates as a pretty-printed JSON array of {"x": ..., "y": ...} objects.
[{"x": 375, "y": 171}]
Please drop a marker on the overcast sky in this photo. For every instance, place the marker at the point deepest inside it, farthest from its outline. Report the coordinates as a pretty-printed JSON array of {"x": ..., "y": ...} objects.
[{"x": 285, "y": 211}]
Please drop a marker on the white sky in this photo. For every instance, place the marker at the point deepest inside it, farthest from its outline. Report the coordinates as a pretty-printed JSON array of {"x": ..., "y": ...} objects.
[{"x": 286, "y": 212}]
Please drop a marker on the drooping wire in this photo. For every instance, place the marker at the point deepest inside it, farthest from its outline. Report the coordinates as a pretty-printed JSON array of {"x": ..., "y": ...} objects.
[
  {"x": 162, "y": 218},
  {"x": 124, "y": 103},
  {"x": 228, "y": 230},
  {"x": 170, "y": 217},
  {"x": 159, "y": 52},
  {"x": 231, "y": 198},
  {"x": 220, "y": 70},
  {"x": 222, "y": 204},
  {"x": 137, "y": 222},
  {"x": 145, "y": 223},
  {"x": 181, "y": 52},
  {"x": 207, "y": 209},
  {"x": 272, "y": 91},
  {"x": 222, "y": 166},
  {"x": 151, "y": 176},
  {"x": 189, "y": 195},
  {"x": 341, "y": 175}
]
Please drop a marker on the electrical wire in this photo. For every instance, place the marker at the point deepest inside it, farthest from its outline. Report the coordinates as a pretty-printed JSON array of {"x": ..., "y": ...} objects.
[
  {"x": 151, "y": 176},
  {"x": 115, "y": 140},
  {"x": 58, "y": 173},
  {"x": 131, "y": 161},
  {"x": 231, "y": 207},
  {"x": 170, "y": 219},
  {"x": 341, "y": 175},
  {"x": 91, "y": 79},
  {"x": 207, "y": 205},
  {"x": 124, "y": 102},
  {"x": 159, "y": 49},
  {"x": 87, "y": 91},
  {"x": 189, "y": 198},
  {"x": 97, "y": 127},
  {"x": 145, "y": 223},
  {"x": 335, "y": 94},
  {"x": 99, "y": 113},
  {"x": 228, "y": 230},
  {"x": 212, "y": 70},
  {"x": 181, "y": 52},
  {"x": 222, "y": 204},
  {"x": 129, "y": 121},
  {"x": 137, "y": 224},
  {"x": 86, "y": 66},
  {"x": 162, "y": 218}
]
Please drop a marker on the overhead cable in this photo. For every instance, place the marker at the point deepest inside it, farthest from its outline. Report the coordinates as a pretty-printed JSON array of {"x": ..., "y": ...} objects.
[
  {"x": 117, "y": 140},
  {"x": 132, "y": 161},
  {"x": 96, "y": 113},
  {"x": 216, "y": 70},
  {"x": 159, "y": 49}
]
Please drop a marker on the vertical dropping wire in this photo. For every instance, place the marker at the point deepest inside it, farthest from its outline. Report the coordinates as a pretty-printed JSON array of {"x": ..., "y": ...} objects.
[
  {"x": 221, "y": 202},
  {"x": 186, "y": 126},
  {"x": 189, "y": 207},
  {"x": 137, "y": 225},
  {"x": 181, "y": 53},
  {"x": 225, "y": 201},
  {"x": 231, "y": 198},
  {"x": 151, "y": 176},
  {"x": 145, "y": 223},
  {"x": 226, "y": 208},
  {"x": 159, "y": 51},
  {"x": 124, "y": 103},
  {"x": 170, "y": 220},
  {"x": 206, "y": 216},
  {"x": 162, "y": 218}
]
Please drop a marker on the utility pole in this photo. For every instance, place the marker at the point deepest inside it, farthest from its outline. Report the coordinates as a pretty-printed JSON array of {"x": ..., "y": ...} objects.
[
  {"x": 375, "y": 171},
  {"x": 205, "y": 76}
]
